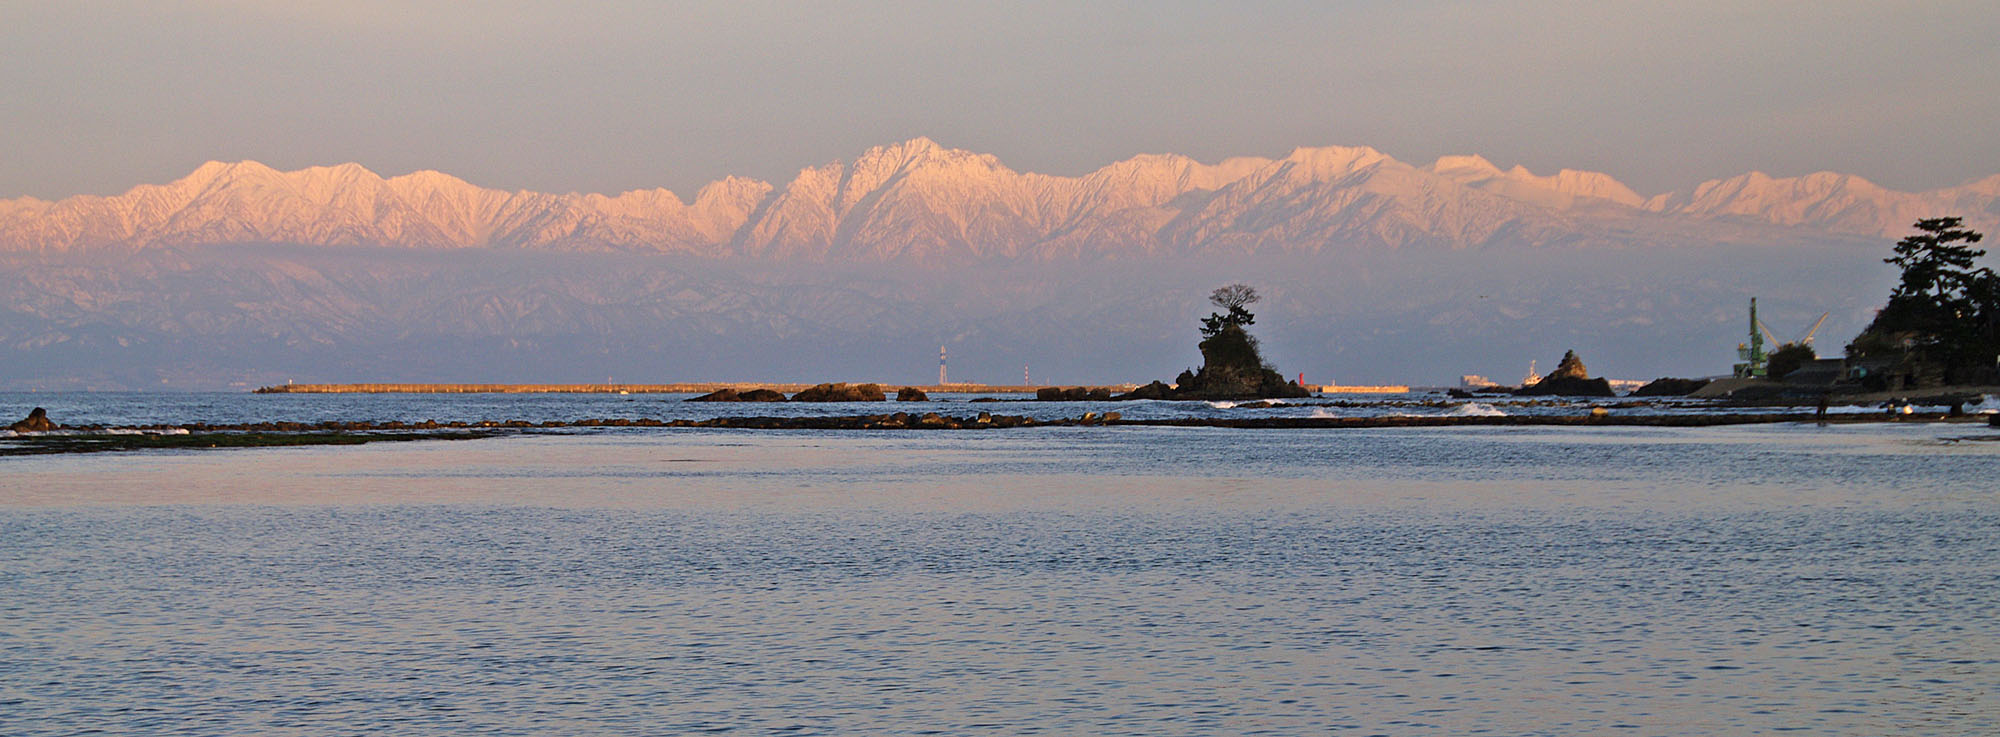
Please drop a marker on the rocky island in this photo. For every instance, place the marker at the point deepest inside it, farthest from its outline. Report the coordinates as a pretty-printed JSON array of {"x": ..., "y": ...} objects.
[
  {"x": 1232, "y": 366},
  {"x": 1570, "y": 379}
]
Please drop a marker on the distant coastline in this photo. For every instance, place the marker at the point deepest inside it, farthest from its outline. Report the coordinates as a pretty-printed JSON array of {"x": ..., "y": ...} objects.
[{"x": 675, "y": 388}]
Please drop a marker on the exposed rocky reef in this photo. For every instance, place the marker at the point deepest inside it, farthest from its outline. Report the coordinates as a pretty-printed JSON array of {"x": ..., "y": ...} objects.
[
  {"x": 1154, "y": 390},
  {"x": 36, "y": 421},
  {"x": 1570, "y": 379},
  {"x": 1073, "y": 394},
  {"x": 840, "y": 392},
  {"x": 835, "y": 392},
  {"x": 748, "y": 395},
  {"x": 886, "y": 421}
]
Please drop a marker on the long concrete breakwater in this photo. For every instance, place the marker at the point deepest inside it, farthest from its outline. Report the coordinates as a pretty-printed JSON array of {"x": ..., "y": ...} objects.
[
  {"x": 190, "y": 436},
  {"x": 986, "y": 420},
  {"x": 676, "y": 388}
]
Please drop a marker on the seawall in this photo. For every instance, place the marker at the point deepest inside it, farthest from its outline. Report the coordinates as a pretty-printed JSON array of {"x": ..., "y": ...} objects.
[{"x": 678, "y": 388}]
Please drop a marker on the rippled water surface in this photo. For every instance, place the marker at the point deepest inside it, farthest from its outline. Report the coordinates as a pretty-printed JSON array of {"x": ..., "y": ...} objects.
[{"x": 1068, "y": 581}]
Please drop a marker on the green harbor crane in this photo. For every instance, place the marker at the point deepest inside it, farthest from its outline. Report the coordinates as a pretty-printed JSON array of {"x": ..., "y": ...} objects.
[{"x": 1752, "y": 353}]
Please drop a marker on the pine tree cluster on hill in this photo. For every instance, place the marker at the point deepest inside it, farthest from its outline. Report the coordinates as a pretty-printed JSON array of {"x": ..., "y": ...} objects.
[{"x": 1942, "y": 321}]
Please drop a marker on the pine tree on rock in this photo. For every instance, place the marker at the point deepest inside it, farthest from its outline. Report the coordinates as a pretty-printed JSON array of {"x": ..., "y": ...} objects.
[
  {"x": 1943, "y": 317},
  {"x": 1232, "y": 366}
]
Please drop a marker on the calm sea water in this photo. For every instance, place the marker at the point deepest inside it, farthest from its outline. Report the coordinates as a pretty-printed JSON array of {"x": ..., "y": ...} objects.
[{"x": 1068, "y": 581}]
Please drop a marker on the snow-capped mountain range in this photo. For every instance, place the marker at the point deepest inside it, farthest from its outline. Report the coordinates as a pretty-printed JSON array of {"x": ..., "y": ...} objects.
[{"x": 917, "y": 200}]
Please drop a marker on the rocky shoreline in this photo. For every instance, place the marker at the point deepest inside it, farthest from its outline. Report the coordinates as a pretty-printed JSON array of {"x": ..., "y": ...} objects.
[{"x": 198, "y": 435}]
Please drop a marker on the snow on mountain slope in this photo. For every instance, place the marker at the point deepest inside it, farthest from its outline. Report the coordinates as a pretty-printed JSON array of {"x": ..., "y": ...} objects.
[
  {"x": 1321, "y": 198},
  {"x": 1559, "y": 191},
  {"x": 917, "y": 200},
  {"x": 1841, "y": 203}
]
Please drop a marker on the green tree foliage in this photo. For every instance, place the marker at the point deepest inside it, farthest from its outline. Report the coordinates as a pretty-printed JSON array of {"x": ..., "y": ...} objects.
[
  {"x": 1233, "y": 300},
  {"x": 1232, "y": 366},
  {"x": 1943, "y": 310},
  {"x": 1788, "y": 358},
  {"x": 1231, "y": 345},
  {"x": 1937, "y": 263}
]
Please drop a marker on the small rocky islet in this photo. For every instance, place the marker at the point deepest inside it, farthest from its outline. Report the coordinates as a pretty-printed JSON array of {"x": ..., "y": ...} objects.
[
  {"x": 1232, "y": 369},
  {"x": 36, "y": 421},
  {"x": 1570, "y": 379}
]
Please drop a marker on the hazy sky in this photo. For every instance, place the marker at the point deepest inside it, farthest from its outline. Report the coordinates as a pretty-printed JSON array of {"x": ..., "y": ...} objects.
[{"x": 608, "y": 95}]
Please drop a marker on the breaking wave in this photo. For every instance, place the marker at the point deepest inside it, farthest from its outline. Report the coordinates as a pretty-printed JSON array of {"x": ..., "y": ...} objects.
[
  {"x": 1226, "y": 404},
  {"x": 107, "y": 431}
]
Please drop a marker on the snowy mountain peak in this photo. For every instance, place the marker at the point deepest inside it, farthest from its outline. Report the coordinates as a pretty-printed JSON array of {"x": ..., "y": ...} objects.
[
  {"x": 914, "y": 152},
  {"x": 732, "y": 190},
  {"x": 1583, "y": 184},
  {"x": 1830, "y": 200},
  {"x": 347, "y": 171},
  {"x": 920, "y": 200},
  {"x": 1559, "y": 191},
  {"x": 1465, "y": 167},
  {"x": 1335, "y": 161},
  {"x": 420, "y": 185}
]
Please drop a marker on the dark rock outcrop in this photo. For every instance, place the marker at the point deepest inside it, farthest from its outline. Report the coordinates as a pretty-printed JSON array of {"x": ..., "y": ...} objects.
[
  {"x": 1236, "y": 384},
  {"x": 1570, "y": 388},
  {"x": 1155, "y": 390},
  {"x": 841, "y": 392},
  {"x": 911, "y": 394},
  {"x": 1072, "y": 394},
  {"x": 732, "y": 395},
  {"x": 36, "y": 421},
  {"x": 1670, "y": 387},
  {"x": 1570, "y": 367},
  {"x": 1232, "y": 368},
  {"x": 1570, "y": 379}
]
